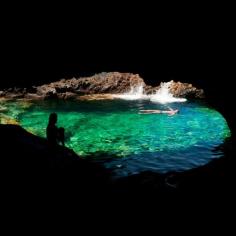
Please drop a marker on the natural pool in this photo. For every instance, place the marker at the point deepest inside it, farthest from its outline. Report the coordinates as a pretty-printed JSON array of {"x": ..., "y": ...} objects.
[{"x": 115, "y": 134}]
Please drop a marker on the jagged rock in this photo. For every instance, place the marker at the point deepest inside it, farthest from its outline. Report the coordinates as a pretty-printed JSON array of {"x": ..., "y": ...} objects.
[
  {"x": 103, "y": 83},
  {"x": 179, "y": 89},
  {"x": 113, "y": 82},
  {"x": 24, "y": 103},
  {"x": 13, "y": 93},
  {"x": 46, "y": 89}
]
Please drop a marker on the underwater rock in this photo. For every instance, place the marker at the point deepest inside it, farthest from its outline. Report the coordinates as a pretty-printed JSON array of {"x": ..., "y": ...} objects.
[
  {"x": 6, "y": 120},
  {"x": 46, "y": 91},
  {"x": 24, "y": 103},
  {"x": 3, "y": 109}
]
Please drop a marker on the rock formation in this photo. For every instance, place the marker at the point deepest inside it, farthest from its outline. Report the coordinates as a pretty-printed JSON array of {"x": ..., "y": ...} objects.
[
  {"x": 28, "y": 161},
  {"x": 103, "y": 83}
]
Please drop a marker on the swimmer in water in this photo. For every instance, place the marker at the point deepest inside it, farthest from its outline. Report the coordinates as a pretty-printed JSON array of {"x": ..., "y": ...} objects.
[{"x": 170, "y": 112}]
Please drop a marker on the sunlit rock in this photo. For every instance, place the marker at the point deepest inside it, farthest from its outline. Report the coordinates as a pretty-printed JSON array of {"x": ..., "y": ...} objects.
[
  {"x": 6, "y": 120},
  {"x": 103, "y": 83}
]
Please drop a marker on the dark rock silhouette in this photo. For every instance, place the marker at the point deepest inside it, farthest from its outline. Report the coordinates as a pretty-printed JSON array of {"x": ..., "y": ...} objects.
[{"x": 29, "y": 162}]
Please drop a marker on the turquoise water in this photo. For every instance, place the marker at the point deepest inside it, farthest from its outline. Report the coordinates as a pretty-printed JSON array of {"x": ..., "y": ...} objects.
[{"x": 115, "y": 134}]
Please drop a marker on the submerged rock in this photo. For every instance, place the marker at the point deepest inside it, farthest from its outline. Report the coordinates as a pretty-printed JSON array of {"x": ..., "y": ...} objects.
[
  {"x": 6, "y": 120},
  {"x": 3, "y": 109}
]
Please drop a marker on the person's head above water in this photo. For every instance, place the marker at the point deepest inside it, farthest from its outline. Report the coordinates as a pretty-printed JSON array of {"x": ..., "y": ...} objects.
[{"x": 52, "y": 118}]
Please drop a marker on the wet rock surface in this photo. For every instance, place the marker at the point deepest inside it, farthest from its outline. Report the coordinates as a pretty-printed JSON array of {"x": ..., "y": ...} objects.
[{"x": 103, "y": 83}]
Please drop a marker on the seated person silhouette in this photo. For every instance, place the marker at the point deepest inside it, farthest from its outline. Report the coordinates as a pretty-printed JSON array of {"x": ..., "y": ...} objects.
[
  {"x": 170, "y": 112},
  {"x": 55, "y": 135}
]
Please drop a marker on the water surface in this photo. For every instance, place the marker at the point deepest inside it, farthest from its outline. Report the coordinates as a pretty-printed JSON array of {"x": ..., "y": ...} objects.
[{"x": 114, "y": 133}]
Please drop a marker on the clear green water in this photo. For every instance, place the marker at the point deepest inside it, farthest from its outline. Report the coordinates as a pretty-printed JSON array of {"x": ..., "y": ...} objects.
[{"x": 112, "y": 132}]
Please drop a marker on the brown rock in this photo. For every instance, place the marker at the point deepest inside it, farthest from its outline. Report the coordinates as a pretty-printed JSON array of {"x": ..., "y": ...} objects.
[
  {"x": 2, "y": 93},
  {"x": 96, "y": 97},
  {"x": 33, "y": 96},
  {"x": 103, "y": 83},
  {"x": 186, "y": 90},
  {"x": 8, "y": 120},
  {"x": 67, "y": 96}
]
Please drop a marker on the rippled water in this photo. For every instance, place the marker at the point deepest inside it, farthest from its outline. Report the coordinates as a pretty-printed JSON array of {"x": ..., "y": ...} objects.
[{"x": 116, "y": 134}]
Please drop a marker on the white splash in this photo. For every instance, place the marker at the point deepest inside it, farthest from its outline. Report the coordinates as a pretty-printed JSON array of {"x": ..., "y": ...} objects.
[
  {"x": 163, "y": 95},
  {"x": 135, "y": 93}
]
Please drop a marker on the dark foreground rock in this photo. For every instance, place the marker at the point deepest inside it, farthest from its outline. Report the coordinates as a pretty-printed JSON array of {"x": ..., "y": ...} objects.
[
  {"x": 103, "y": 83},
  {"x": 29, "y": 164}
]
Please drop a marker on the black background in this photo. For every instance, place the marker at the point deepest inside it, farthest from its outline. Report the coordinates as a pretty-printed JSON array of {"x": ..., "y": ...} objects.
[{"x": 46, "y": 43}]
